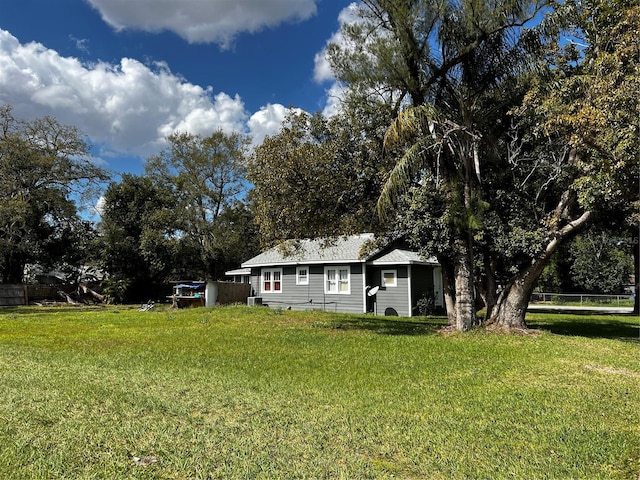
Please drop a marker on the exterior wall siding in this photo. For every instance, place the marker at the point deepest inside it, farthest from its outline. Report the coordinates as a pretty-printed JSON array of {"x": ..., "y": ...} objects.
[
  {"x": 391, "y": 300},
  {"x": 398, "y": 300},
  {"x": 312, "y": 296},
  {"x": 254, "y": 281}
]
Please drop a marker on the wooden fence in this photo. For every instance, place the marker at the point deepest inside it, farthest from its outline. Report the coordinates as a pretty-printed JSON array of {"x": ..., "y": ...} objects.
[
  {"x": 225, "y": 293},
  {"x": 219, "y": 293},
  {"x": 18, "y": 294},
  {"x": 38, "y": 293},
  {"x": 12, "y": 295}
]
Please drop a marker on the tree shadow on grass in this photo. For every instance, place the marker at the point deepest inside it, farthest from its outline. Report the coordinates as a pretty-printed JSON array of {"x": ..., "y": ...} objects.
[
  {"x": 581, "y": 325},
  {"x": 591, "y": 326},
  {"x": 386, "y": 325}
]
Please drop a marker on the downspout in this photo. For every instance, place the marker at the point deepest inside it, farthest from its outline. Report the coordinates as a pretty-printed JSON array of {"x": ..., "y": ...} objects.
[
  {"x": 364, "y": 287},
  {"x": 409, "y": 290}
]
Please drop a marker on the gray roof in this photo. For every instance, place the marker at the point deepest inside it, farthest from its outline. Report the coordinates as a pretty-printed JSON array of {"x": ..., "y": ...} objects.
[
  {"x": 340, "y": 250},
  {"x": 238, "y": 271},
  {"x": 403, "y": 257},
  {"x": 345, "y": 249}
]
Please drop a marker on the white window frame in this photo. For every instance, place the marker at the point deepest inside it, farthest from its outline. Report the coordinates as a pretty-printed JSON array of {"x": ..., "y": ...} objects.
[
  {"x": 271, "y": 279},
  {"x": 302, "y": 280},
  {"x": 395, "y": 278},
  {"x": 336, "y": 291}
]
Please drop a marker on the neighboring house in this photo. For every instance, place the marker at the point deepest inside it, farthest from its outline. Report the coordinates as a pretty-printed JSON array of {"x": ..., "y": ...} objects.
[
  {"x": 334, "y": 275},
  {"x": 240, "y": 275}
]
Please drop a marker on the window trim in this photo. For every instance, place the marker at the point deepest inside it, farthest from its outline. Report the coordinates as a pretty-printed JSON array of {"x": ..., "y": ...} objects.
[
  {"x": 395, "y": 278},
  {"x": 271, "y": 280},
  {"x": 299, "y": 280},
  {"x": 337, "y": 268}
]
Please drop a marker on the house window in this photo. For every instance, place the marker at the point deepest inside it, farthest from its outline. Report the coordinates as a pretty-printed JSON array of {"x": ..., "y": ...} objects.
[
  {"x": 272, "y": 280},
  {"x": 302, "y": 276},
  {"x": 337, "y": 280},
  {"x": 389, "y": 278}
]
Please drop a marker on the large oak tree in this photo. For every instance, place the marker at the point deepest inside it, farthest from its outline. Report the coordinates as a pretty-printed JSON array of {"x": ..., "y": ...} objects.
[
  {"x": 585, "y": 108},
  {"x": 44, "y": 168},
  {"x": 207, "y": 176},
  {"x": 318, "y": 177}
]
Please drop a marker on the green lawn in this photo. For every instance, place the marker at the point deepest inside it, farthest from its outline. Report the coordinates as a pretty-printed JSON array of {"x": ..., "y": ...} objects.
[{"x": 258, "y": 393}]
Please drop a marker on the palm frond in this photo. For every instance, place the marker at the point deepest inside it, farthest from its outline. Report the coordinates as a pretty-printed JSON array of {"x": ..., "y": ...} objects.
[
  {"x": 403, "y": 174},
  {"x": 410, "y": 123}
]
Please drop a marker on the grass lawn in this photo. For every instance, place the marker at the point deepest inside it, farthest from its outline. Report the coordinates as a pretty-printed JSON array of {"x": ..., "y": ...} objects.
[{"x": 257, "y": 393}]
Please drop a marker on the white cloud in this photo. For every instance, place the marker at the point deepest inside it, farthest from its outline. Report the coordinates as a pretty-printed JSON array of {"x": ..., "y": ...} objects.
[
  {"x": 322, "y": 69},
  {"x": 267, "y": 121},
  {"x": 203, "y": 21},
  {"x": 335, "y": 95},
  {"x": 98, "y": 208},
  {"x": 81, "y": 44},
  {"x": 129, "y": 107},
  {"x": 226, "y": 113}
]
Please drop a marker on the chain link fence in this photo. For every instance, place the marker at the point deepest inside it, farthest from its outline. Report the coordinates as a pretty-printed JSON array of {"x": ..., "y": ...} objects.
[{"x": 583, "y": 299}]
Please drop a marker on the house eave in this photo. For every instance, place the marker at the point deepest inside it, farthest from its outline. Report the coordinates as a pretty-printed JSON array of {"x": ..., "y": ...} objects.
[
  {"x": 238, "y": 271},
  {"x": 302, "y": 262},
  {"x": 405, "y": 262}
]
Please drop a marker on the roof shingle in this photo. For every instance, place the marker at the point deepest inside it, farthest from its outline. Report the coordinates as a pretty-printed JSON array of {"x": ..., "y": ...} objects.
[{"x": 339, "y": 250}]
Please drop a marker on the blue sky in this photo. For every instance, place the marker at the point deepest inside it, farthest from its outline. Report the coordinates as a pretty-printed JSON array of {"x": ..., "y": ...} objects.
[{"x": 130, "y": 72}]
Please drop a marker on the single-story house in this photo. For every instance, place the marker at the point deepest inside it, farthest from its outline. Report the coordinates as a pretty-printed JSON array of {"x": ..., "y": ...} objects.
[
  {"x": 335, "y": 275},
  {"x": 239, "y": 275}
]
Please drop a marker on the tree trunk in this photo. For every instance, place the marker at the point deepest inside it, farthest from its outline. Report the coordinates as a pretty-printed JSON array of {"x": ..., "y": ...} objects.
[
  {"x": 463, "y": 266},
  {"x": 464, "y": 283},
  {"x": 95, "y": 296},
  {"x": 511, "y": 307},
  {"x": 489, "y": 285},
  {"x": 636, "y": 273},
  {"x": 67, "y": 297},
  {"x": 13, "y": 271},
  {"x": 448, "y": 289},
  {"x": 513, "y": 301}
]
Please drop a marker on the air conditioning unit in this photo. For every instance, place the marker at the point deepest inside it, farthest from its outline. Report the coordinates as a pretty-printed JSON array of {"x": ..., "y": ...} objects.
[{"x": 254, "y": 301}]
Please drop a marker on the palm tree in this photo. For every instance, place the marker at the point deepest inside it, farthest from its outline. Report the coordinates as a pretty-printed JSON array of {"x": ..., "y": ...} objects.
[
  {"x": 444, "y": 154},
  {"x": 444, "y": 140}
]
